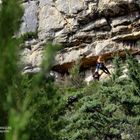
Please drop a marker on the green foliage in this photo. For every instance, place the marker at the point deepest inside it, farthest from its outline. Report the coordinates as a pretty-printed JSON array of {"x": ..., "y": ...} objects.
[
  {"x": 138, "y": 43},
  {"x": 9, "y": 19},
  {"x": 133, "y": 70},
  {"x": 75, "y": 78},
  {"x": 74, "y": 71},
  {"x": 49, "y": 54},
  {"x": 118, "y": 67},
  {"x": 44, "y": 104},
  {"x": 20, "y": 93},
  {"x": 29, "y": 36},
  {"x": 44, "y": 101},
  {"x": 36, "y": 109},
  {"x": 11, "y": 111},
  {"x": 105, "y": 110}
]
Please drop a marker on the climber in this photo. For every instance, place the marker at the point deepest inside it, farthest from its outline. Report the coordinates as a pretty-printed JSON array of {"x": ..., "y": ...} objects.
[
  {"x": 100, "y": 66},
  {"x": 96, "y": 75}
]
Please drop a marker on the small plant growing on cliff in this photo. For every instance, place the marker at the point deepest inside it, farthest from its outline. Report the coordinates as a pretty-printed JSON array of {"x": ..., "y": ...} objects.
[
  {"x": 118, "y": 67},
  {"x": 138, "y": 43},
  {"x": 75, "y": 77},
  {"x": 29, "y": 36}
]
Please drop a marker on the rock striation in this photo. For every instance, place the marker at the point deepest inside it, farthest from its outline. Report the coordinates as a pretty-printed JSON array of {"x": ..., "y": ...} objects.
[{"x": 84, "y": 28}]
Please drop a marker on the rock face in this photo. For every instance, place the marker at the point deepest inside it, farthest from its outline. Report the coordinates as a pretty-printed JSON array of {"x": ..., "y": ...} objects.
[
  {"x": 85, "y": 29},
  {"x": 30, "y": 18}
]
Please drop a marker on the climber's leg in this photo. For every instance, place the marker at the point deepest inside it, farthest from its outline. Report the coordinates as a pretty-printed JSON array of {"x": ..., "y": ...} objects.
[
  {"x": 96, "y": 76},
  {"x": 105, "y": 70}
]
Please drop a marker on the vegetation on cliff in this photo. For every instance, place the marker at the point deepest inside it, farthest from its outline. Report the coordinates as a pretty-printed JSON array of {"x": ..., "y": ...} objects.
[{"x": 33, "y": 107}]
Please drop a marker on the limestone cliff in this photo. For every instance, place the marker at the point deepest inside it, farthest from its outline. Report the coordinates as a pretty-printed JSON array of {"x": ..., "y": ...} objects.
[{"x": 84, "y": 28}]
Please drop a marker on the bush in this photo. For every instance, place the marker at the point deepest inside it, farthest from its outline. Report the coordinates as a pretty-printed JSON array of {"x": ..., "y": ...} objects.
[
  {"x": 103, "y": 110},
  {"x": 29, "y": 36}
]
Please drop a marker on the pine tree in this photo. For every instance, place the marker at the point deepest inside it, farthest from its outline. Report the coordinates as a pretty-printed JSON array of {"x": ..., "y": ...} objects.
[
  {"x": 9, "y": 23},
  {"x": 105, "y": 110},
  {"x": 75, "y": 78},
  {"x": 21, "y": 95}
]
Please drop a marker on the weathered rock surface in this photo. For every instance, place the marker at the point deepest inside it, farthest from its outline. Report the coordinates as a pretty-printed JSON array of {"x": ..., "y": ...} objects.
[
  {"x": 85, "y": 29},
  {"x": 30, "y": 18}
]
